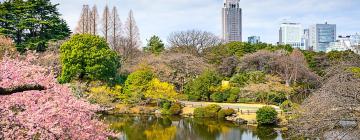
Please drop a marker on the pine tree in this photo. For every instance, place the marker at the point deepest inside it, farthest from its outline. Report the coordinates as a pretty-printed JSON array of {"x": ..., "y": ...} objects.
[
  {"x": 155, "y": 45},
  {"x": 32, "y": 23}
]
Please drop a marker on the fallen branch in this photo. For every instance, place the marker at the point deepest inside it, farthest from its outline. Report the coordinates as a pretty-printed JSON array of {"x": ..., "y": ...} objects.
[{"x": 21, "y": 88}]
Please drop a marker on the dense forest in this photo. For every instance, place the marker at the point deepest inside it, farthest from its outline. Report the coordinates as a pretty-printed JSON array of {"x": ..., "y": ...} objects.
[{"x": 53, "y": 83}]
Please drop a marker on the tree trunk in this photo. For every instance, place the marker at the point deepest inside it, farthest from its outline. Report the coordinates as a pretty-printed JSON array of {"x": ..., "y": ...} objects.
[{"x": 21, "y": 88}]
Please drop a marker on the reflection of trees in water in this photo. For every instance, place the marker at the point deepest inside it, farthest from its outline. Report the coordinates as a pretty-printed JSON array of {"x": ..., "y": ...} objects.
[
  {"x": 167, "y": 128},
  {"x": 265, "y": 133}
]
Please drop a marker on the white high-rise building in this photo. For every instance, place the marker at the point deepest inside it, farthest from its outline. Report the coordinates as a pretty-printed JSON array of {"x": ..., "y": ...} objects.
[
  {"x": 321, "y": 35},
  {"x": 343, "y": 43},
  {"x": 232, "y": 21},
  {"x": 291, "y": 34}
]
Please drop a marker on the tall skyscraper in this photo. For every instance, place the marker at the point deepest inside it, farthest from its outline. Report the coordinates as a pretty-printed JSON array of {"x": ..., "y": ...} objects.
[
  {"x": 291, "y": 34},
  {"x": 321, "y": 35},
  {"x": 254, "y": 39},
  {"x": 232, "y": 21}
]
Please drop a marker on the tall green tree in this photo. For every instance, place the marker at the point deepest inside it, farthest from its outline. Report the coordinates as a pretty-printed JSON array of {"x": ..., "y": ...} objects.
[
  {"x": 87, "y": 57},
  {"x": 32, "y": 23},
  {"x": 155, "y": 45}
]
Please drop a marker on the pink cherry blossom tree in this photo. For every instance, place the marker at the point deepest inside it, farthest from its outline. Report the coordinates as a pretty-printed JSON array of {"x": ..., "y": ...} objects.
[{"x": 51, "y": 112}]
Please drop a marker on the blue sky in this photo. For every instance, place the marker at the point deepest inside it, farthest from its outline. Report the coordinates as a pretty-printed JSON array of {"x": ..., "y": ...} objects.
[{"x": 260, "y": 17}]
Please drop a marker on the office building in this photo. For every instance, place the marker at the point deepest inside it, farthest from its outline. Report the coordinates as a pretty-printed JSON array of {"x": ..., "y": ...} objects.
[
  {"x": 305, "y": 40},
  {"x": 254, "y": 39},
  {"x": 321, "y": 35},
  {"x": 344, "y": 43},
  {"x": 291, "y": 34},
  {"x": 232, "y": 21}
]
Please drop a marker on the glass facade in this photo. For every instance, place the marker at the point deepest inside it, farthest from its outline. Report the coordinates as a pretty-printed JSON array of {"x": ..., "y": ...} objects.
[
  {"x": 321, "y": 35},
  {"x": 291, "y": 34},
  {"x": 231, "y": 21}
]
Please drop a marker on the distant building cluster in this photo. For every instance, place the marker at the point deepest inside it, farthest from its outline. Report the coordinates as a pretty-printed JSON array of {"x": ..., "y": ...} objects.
[{"x": 318, "y": 37}]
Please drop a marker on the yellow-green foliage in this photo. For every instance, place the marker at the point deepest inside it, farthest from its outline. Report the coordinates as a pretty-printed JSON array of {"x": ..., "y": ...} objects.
[
  {"x": 355, "y": 71},
  {"x": 104, "y": 95},
  {"x": 160, "y": 90}
]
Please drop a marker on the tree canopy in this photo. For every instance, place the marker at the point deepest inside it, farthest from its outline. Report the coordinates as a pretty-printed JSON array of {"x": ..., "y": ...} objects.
[
  {"x": 87, "y": 57},
  {"x": 155, "y": 45},
  {"x": 31, "y": 23}
]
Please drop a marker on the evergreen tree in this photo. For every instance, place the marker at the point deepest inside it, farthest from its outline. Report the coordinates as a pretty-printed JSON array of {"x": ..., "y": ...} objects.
[
  {"x": 32, "y": 23},
  {"x": 155, "y": 45}
]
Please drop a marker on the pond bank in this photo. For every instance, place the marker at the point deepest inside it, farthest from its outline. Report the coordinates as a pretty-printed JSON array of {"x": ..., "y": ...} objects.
[{"x": 245, "y": 113}]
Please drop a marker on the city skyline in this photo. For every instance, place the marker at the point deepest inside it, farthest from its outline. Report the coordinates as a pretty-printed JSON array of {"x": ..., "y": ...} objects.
[{"x": 261, "y": 18}]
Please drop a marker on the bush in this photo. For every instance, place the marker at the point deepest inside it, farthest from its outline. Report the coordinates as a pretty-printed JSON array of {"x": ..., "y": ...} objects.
[
  {"x": 225, "y": 112},
  {"x": 166, "y": 105},
  {"x": 212, "y": 110},
  {"x": 175, "y": 109},
  {"x": 289, "y": 106},
  {"x": 271, "y": 97},
  {"x": 246, "y": 100},
  {"x": 207, "y": 112},
  {"x": 355, "y": 71},
  {"x": 266, "y": 115},
  {"x": 87, "y": 57},
  {"x": 104, "y": 95},
  {"x": 136, "y": 84},
  {"x": 243, "y": 79},
  {"x": 217, "y": 97},
  {"x": 199, "y": 112},
  {"x": 233, "y": 95},
  {"x": 199, "y": 89}
]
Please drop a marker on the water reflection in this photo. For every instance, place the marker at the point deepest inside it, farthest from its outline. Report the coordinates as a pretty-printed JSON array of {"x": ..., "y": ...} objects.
[{"x": 176, "y": 128}]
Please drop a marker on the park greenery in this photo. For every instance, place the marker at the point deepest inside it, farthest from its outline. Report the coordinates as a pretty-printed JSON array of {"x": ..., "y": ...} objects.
[
  {"x": 97, "y": 73},
  {"x": 31, "y": 23},
  {"x": 266, "y": 115}
]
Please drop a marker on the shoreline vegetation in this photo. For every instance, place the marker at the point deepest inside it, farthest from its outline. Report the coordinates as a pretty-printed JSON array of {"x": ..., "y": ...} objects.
[{"x": 53, "y": 83}]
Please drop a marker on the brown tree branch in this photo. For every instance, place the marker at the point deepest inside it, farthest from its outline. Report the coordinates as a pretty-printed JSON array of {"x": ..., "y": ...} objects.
[{"x": 21, "y": 88}]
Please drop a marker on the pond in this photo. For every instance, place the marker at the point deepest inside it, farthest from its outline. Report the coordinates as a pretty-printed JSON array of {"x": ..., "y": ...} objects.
[{"x": 136, "y": 127}]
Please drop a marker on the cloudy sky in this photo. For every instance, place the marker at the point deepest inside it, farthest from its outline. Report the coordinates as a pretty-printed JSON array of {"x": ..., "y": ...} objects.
[{"x": 260, "y": 17}]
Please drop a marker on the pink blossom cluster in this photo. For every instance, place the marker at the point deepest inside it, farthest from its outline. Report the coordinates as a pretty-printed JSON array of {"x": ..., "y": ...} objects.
[{"x": 53, "y": 113}]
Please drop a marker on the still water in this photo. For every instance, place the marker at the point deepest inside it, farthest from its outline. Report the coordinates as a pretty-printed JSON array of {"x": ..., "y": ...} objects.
[{"x": 177, "y": 128}]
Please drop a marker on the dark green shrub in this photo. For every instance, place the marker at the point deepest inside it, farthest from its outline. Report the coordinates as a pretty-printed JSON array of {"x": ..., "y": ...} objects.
[
  {"x": 250, "y": 77},
  {"x": 211, "y": 110},
  {"x": 266, "y": 115},
  {"x": 233, "y": 95},
  {"x": 271, "y": 97},
  {"x": 87, "y": 57},
  {"x": 175, "y": 109},
  {"x": 199, "y": 89},
  {"x": 217, "y": 97},
  {"x": 225, "y": 112},
  {"x": 166, "y": 105}
]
